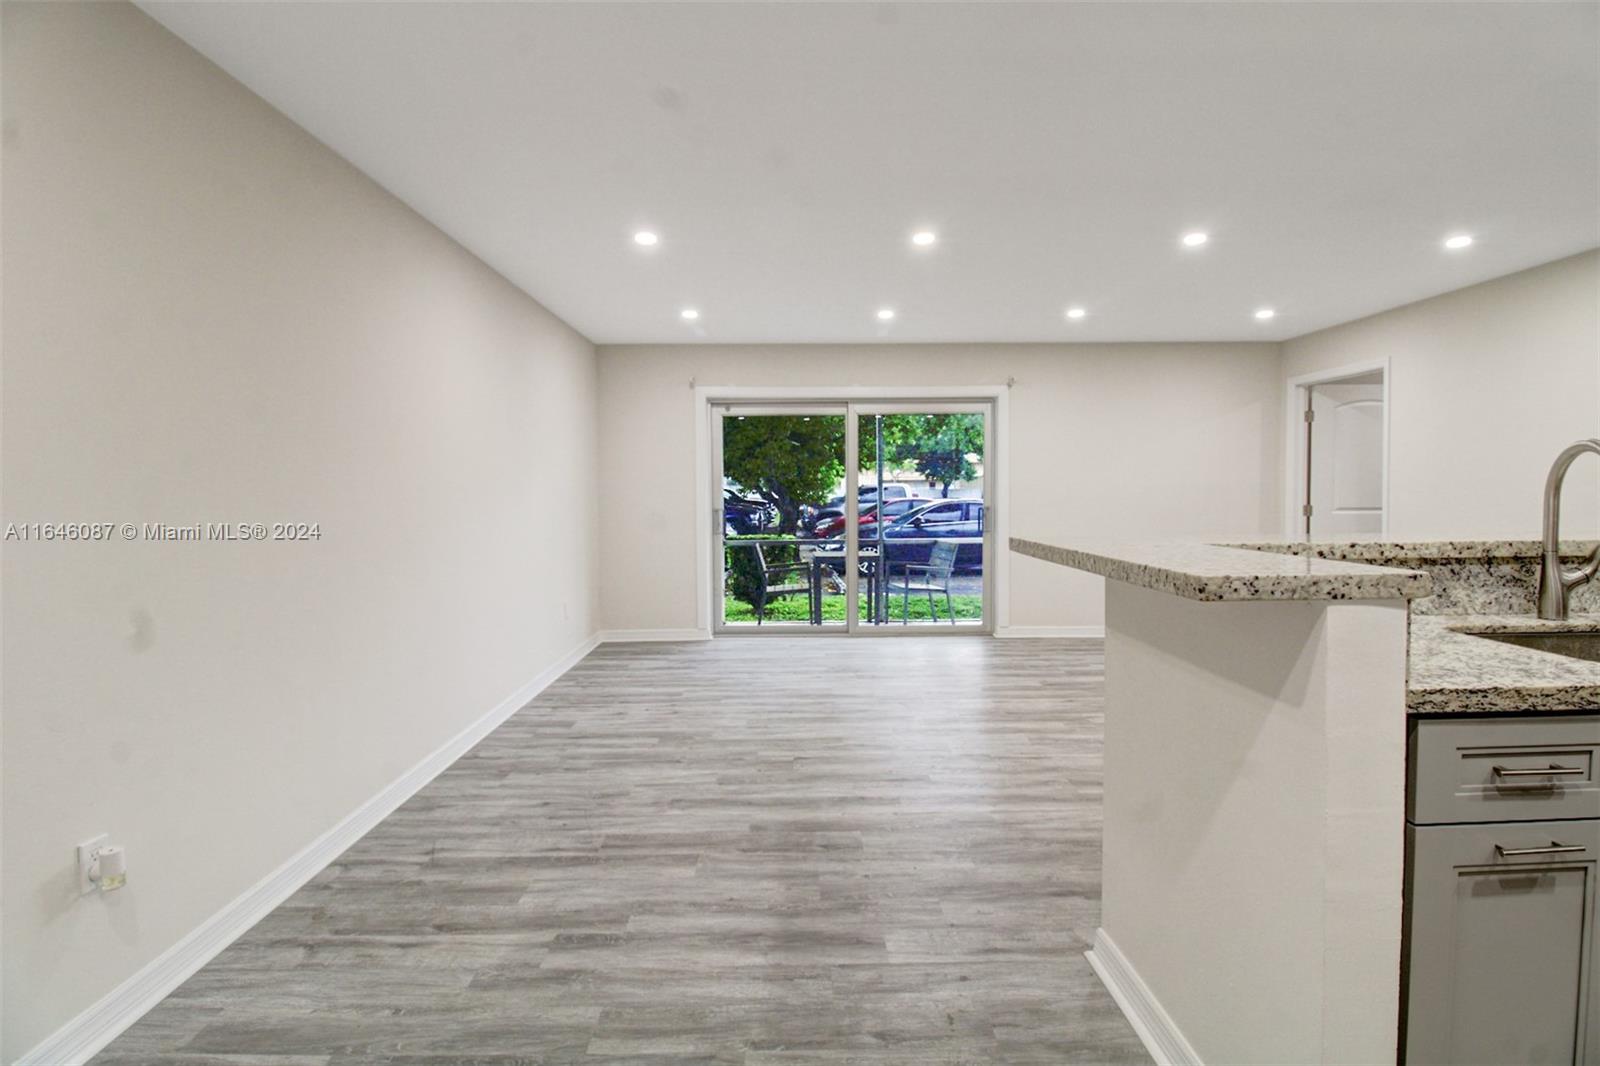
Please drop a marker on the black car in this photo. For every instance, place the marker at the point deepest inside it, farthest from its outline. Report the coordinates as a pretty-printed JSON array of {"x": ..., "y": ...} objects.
[
  {"x": 960, "y": 520},
  {"x": 745, "y": 514}
]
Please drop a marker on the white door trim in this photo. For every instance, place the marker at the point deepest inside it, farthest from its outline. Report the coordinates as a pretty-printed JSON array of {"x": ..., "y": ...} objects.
[
  {"x": 704, "y": 397},
  {"x": 1294, "y": 454}
]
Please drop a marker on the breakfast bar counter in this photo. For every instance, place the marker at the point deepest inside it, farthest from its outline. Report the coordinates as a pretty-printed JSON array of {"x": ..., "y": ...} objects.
[
  {"x": 1255, "y": 738},
  {"x": 1216, "y": 573}
]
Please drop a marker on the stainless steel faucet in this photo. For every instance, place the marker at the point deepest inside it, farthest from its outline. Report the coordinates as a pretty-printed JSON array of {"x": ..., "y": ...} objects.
[{"x": 1556, "y": 582}]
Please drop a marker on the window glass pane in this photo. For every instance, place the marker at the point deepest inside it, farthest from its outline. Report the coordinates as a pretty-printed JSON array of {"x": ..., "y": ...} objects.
[
  {"x": 783, "y": 519},
  {"x": 922, "y": 566}
]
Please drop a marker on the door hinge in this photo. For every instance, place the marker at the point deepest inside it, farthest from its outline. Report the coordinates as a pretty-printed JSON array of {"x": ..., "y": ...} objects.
[
  {"x": 1311, "y": 416},
  {"x": 1305, "y": 511}
]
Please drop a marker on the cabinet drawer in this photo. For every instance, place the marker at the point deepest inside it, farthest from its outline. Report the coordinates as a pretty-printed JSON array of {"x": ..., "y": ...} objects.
[
  {"x": 1498, "y": 962},
  {"x": 1503, "y": 769}
]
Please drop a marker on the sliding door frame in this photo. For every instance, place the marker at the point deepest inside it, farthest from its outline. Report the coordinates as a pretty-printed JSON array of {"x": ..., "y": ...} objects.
[
  {"x": 707, "y": 399},
  {"x": 720, "y": 412},
  {"x": 866, "y": 409}
]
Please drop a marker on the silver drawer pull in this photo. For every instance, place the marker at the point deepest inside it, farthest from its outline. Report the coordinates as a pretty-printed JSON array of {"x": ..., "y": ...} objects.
[
  {"x": 1548, "y": 771},
  {"x": 1553, "y": 849}
]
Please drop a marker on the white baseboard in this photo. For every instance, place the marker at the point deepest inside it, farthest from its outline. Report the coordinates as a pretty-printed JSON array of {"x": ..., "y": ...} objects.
[
  {"x": 97, "y": 1026},
  {"x": 1052, "y": 632},
  {"x": 628, "y": 636},
  {"x": 1144, "y": 1012}
]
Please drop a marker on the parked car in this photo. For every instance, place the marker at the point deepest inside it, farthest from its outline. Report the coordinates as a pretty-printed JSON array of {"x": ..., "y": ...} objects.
[
  {"x": 834, "y": 508},
  {"x": 891, "y": 508},
  {"x": 954, "y": 519},
  {"x": 869, "y": 494},
  {"x": 746, "y": 514}
]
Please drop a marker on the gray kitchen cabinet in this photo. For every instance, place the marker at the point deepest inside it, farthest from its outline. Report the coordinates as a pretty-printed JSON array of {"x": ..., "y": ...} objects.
[
  {"x": 1507, "y": 769},
  {"x": 1500, "y": 939},
  {"x": 1502, "y": 945}
]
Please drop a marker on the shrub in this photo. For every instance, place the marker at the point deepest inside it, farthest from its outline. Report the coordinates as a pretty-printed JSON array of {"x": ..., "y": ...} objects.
[{"x": 744, "y": 571}]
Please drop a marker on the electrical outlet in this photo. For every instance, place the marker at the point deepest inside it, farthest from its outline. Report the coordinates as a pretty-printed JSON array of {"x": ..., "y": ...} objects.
[{"x": 86, "y": 855}]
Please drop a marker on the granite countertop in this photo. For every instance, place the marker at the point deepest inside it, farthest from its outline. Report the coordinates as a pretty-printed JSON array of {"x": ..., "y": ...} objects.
[
  {"x": 1214, "y": 573},
  {"x": 1408, "y": 551},
  {"x": 1453, "y": 672},
  {"x": 1449, "y": 670}
]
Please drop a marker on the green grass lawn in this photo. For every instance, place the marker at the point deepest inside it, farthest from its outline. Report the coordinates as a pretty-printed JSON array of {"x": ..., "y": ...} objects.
[{"x": 798, "y": 609}]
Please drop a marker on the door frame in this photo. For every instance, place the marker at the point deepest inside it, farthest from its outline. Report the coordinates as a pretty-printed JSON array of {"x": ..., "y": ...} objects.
[
  {"x": 706, "y": 398},
  {"x": 719, "y": 412},
  {"x": 1296, "y": 389},
  {"x": 859, "y": 409}
]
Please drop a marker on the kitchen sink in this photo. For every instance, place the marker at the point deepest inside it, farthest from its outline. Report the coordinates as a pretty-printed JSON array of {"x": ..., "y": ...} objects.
[{"x": 1574, "y": 645}]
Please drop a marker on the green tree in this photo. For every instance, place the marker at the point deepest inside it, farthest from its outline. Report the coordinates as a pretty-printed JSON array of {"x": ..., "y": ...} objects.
[
  {"x": 787, "y": 460},
  {"x": 936, "y": 446},
  {"x": 794, "y": 460}
]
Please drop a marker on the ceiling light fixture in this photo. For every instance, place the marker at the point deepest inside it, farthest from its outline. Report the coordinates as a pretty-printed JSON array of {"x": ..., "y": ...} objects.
[
  {"x": 688, "y": 314},
  {"x": 1459, "y": 241},
  {"x": 1195, "y": 239},
  {"x": 1076, "y": 312},
  {"x": 924, "y": 238},
  {"x": 1265, "y": 313},
  {"x": 645, "y": 239},
  {"x": 885, "y": 314}
]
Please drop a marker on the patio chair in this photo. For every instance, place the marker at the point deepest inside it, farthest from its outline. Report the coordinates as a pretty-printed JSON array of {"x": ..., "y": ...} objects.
[
  {"x": 927, "y": 578},
  {"x": 777, "y": 580}
]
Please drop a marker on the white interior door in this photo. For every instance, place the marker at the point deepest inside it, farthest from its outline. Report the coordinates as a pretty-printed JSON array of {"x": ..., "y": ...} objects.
[{"x": 1346, "y": 468}]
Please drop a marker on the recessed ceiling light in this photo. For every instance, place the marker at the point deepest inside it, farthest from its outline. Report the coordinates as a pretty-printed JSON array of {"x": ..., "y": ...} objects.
[
  {"x": 1076, "y": 312},
  {"x": 1460, "y": 240},
  {"x": 1195, "y": 239},
  {"x": 688, "y": 314},
  {"x": 645, "y": 239},
  {"x": 924, "y": 237},
  {"x": 885, "y": 314},
  {"x": 1265, "y": 313}
]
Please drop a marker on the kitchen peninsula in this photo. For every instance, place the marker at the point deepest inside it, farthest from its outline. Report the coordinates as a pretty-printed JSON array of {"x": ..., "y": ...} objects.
[{"x": 1258, "y": 704}]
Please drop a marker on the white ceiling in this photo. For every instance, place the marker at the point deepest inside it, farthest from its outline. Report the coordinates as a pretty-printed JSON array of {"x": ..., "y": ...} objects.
[{"x": 785, "y": 153}]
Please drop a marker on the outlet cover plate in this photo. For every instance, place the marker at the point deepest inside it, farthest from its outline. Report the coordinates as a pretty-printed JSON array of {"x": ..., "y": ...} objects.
[{"x": 86, "y": 853}]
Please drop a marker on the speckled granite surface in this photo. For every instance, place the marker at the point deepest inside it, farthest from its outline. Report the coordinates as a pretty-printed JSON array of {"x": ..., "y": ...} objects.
[
  {"x": 1215, "y": 573},
  {"x": 1484, "y": 585},
  {"x": 1389, "y": 551},
  {"x": 1453, "y": 586},
  {"x": 1469, "y": 576},
  {"x": 1453, "y": 672}
]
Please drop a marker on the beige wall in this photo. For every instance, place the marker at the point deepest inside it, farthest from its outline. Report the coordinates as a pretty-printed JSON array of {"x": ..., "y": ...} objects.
[
  {"x": 1487, "y": 384},
  {"x": 209, "y": 316},
  {"x": 1133, "y": 440}
]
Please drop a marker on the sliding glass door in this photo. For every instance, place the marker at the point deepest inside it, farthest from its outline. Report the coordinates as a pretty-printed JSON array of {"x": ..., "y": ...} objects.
[
  {"x": 859, "y": 518},
  {"x": 778, "y": 472},
  {"x": 922, "y": 532}
]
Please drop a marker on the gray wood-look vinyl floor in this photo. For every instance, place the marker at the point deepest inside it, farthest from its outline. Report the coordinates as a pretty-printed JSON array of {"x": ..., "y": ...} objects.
[{"x": 759, "y": 851}]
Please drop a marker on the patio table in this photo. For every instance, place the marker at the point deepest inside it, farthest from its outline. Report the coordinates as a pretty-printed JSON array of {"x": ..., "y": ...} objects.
[{"x": 868, "y": 559}]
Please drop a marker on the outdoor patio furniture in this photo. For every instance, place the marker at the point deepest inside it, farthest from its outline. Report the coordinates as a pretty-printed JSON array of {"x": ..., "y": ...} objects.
[
  {"x": 926, "y": 578},
  {"x": 778, "y": 580},
  {"x": 830, "y": 561}
]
